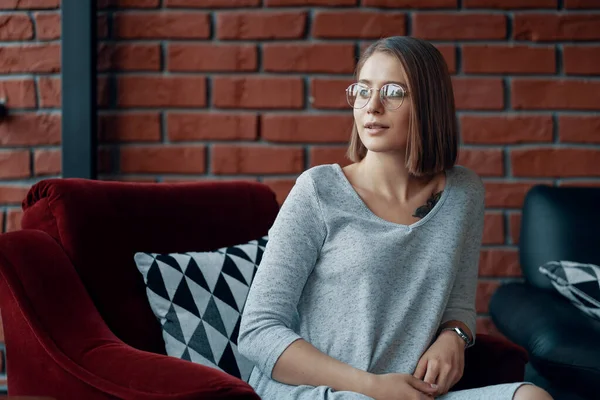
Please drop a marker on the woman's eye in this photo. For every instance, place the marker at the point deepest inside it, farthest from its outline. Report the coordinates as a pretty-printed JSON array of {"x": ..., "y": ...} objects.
[
  {"x": 394, "y": 92},
  {"x": 363, "y": 92}
]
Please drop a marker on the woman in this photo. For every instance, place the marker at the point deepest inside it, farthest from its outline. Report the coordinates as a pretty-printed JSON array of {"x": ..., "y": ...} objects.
[{"x": 366, "y": 289}]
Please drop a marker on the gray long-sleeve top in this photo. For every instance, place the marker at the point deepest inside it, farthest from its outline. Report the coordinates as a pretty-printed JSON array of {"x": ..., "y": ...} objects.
[{"x": 365, "y": 291}]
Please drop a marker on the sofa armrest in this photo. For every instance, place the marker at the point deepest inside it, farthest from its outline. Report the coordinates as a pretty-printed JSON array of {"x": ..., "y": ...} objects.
[
  {"x": 58, "y": 345},
  {"x": 492, "y": 361}
]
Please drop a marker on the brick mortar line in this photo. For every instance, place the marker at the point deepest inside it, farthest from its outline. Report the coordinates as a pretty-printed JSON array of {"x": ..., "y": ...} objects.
[
  {"x": 310, "y": 17},
  {"x": 334, "y": 10},
  {"x": 302, "y": 112},
  {"x": 507, "y": 161},
  {"x": 302, "y": 74},
  {"x": 330, "y": 144},
  {"x": 208, "y": 157},
  {"x": 506, "y": 93},
  {"x": 560, "y": 59},
  {"x": 555, "y": 129},
  {"x": 491, "y": 210},
  {"x": 216, "y": 42},
  {"x": 351, "y": 40},
  {"x": 284, "y": 41},
  {"x": 507, "y": 229}
]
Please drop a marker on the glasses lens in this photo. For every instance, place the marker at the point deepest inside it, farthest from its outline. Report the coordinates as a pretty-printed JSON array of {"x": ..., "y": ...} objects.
[
  {"x": 392, "y": 96},
  {"x": 358, "y": 95}
]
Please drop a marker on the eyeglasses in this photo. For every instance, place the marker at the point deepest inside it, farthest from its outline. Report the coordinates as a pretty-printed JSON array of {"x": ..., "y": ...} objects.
[{"x": 391, "y": 95}]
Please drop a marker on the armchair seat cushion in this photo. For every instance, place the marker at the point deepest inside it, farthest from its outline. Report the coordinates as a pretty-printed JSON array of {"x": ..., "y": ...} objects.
[{"x": 561, "y": 340}]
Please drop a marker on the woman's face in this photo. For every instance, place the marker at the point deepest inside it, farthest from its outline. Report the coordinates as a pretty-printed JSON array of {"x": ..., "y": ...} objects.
[{"x": 381, "y": 129}]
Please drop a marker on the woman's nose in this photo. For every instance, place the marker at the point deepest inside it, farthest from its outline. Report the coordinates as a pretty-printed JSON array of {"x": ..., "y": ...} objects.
[{"x": 374, "y": 105}]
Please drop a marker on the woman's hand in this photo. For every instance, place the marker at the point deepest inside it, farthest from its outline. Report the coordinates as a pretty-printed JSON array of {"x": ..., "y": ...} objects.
[
  {"x": 399, "y": 387},
  {"x": 443, "y": 363}
]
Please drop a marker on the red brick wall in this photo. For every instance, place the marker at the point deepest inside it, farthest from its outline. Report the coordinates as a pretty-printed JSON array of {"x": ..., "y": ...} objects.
[{"x": 196, "y": 89}]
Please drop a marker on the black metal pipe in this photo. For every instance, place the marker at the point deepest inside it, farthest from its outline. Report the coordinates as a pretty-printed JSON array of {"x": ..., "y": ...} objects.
[{"x": 78, "y": 76}]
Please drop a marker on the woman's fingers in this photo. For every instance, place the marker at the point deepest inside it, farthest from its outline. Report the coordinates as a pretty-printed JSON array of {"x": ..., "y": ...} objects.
[
  {"x": 443, "y": 375},
  {"x": 421, "y": 368},
  {"x": 432, "y": 371},
  {"x": 421, "y": 386},
  {"x": 444, "y": 379}
]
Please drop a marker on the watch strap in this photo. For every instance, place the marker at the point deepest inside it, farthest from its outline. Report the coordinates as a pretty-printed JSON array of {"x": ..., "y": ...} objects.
[{"x": 460, "y": 333}]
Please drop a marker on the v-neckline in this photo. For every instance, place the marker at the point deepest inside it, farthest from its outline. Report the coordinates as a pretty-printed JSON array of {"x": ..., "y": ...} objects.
[{"x": 370, "y": 213}]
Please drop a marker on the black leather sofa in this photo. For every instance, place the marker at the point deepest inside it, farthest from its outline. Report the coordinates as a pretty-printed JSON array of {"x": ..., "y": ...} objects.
[{"x": 558, "y": 223}]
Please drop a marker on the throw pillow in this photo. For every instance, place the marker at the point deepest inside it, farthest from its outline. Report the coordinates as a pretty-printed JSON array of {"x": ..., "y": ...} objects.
[
  {"x": 580, "y": 283},
  {"x": 199, "y": 298}
]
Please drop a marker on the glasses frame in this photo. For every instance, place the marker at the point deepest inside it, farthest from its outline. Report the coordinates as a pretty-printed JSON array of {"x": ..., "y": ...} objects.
[{"x": 381, "y": 99}]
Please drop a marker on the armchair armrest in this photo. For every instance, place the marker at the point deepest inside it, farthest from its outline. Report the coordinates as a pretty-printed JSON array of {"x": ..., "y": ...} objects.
[
  {"x": 561, "y": 340},
  {"x": 492, "y": 361},
  {"x": 58, "y": 345},
  {"x": 132, "y": 373}
]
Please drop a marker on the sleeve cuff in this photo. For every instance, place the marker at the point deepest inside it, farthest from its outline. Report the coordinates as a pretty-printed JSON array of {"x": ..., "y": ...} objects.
[{"x": 277, "y": 350}]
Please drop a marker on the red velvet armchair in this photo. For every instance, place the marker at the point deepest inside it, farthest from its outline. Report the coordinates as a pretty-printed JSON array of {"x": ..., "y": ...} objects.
[{"x": 76, "y": 318}]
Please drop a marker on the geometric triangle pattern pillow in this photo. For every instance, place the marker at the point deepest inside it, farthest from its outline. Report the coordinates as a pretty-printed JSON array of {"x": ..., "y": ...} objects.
[
  {"x": 198, "y": 298},
  {"x": 580, "y": 283}
]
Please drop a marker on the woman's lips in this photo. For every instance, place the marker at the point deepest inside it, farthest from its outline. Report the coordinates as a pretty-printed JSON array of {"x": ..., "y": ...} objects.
[{"x": 373, "y": 129}]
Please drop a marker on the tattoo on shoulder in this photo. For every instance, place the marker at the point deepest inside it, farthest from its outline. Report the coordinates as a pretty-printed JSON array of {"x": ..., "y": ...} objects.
[{"x": 431, "y": 202}]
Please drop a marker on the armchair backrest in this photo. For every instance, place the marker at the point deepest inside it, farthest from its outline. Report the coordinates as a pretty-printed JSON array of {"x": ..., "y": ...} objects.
[
  {"x": 559, "y": 223},
  {"x": 101, "y": 225}
]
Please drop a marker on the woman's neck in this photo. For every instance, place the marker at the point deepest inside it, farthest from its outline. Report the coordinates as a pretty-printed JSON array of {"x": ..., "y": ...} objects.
[{"x": 386, "y": 174}]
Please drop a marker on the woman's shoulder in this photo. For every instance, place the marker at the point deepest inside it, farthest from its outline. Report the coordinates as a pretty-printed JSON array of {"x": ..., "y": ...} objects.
[
  {"x": 314, "y": 182},
  {"x": 320, "y": 172},
  {"x": 320, "y": 176},
  {"x": 325, "y": 183},
  {"x": 467, "y": 182}
]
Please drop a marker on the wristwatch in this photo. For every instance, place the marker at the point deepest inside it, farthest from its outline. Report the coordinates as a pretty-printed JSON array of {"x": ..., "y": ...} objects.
[{"x": 460, "y": 333}]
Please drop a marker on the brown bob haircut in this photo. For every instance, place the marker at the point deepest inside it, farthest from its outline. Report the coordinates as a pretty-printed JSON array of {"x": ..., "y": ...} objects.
[{"x": 432, "y": 142}]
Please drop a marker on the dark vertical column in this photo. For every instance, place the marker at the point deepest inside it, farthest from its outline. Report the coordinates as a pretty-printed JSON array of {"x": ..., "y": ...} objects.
[{"x": 79, "y": 89}]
